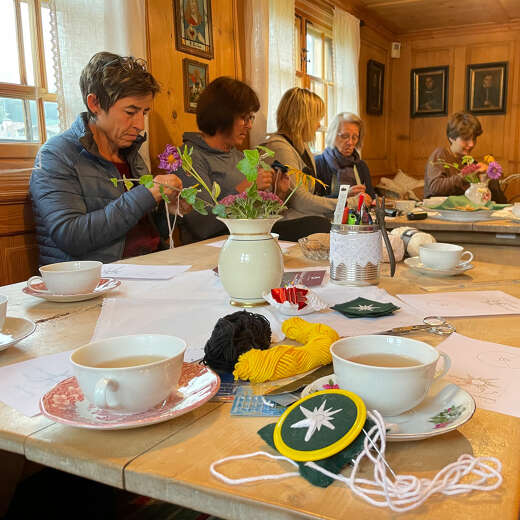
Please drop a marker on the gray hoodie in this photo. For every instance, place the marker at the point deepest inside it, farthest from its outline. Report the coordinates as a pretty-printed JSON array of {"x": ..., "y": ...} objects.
[{"x": 213, "y": 166}]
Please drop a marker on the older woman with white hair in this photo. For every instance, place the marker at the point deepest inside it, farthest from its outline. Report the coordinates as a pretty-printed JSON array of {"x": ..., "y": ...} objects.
[{"x": 340, "y": 162}]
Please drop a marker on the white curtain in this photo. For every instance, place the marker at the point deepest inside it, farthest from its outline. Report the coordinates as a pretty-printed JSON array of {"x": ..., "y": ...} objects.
[
  {"x": 346, "y": 41},
  {"x": 83, "y": 27},
  {"x": 270, "y": 67}
]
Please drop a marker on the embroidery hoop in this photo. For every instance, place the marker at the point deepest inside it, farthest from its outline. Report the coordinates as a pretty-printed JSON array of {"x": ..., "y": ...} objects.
[{"x": 332, "y": 449}]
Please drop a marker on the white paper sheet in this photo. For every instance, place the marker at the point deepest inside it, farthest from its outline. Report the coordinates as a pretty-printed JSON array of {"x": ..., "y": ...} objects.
[
  {"x": 488, "y": 371},
  {"x": 284, "y": 245},
  {"x": 23, "y": 384},
  {"x": 143, "y": 272},
  {"x": 464, "y": 303}
]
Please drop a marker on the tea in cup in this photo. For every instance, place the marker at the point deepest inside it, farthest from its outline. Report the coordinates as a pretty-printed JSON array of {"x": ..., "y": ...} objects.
[
  {"x": 391, "y": 374},
  {"x": 3, "y": 310},
  {"x": 129, "y": 374},
  {"x": 77, "y": 277},
  {"x": 444, "y": 256}
]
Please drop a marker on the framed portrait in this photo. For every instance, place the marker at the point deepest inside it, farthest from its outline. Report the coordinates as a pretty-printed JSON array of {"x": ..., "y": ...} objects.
[
  {"x": 429, "y": 92},
  {"x": 375, "y": 87},
  {"x": 486, "y": 88},
  {"x": 195, "y": 76},
  {"x": 193, "y": 27}
]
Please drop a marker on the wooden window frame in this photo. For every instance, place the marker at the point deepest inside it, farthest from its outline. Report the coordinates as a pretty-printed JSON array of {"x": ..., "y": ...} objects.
[
  {"x": 39, "y": 92},
  {"x": 305, "y": 20}
]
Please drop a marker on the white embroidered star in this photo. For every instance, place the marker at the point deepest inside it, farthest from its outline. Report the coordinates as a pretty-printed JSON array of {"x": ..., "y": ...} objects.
[
  {"x": 365, "y": 307},
  {"x": 316, "y": 419}
]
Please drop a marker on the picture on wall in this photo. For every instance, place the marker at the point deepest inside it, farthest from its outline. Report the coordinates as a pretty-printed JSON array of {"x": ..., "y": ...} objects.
[
  {"x": 486, "y": 88},
  {"x": 375, "y": 87},
  {"x": 429, "y": 92},
  {"x": 193, "y": 28},
  {"x": 195, "y": 76}
]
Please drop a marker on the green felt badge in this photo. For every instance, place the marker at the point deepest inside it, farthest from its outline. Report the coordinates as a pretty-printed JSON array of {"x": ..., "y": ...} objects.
[{"x": 363, "y": 308}]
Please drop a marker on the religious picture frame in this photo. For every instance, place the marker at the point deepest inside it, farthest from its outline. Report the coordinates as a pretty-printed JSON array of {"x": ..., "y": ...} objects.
[
  {"x": 375, "y": 87},
  {"x": 429, "y": 91},
  {"x": 193, "y": 27},
  {"x": 195, "y": 78},
  {"x": 486, "y": 88}
]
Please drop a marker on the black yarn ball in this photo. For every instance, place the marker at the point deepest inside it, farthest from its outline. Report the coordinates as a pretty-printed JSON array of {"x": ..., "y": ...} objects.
[{"x": 233, "y": 335}]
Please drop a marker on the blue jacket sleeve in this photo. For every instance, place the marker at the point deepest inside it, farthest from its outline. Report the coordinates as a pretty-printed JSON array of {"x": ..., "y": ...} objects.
[{"x": 62, "y": 205}]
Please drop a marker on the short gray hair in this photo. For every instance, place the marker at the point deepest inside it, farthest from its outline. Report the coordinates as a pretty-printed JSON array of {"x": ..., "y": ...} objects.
[{"x": 346, "y": 117}]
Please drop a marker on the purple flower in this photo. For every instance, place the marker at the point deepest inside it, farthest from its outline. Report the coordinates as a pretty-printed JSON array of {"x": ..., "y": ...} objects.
[
  {"x": 494, "y": 170},
  {"x": 170, "y": 160},
  {"x": 267, "y": 195},
  {"x": 229, "y": 200}
]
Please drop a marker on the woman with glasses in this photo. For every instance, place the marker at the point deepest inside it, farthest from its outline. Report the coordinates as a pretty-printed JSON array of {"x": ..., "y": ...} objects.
[
  {"x": 225, "y": 114},
  {"x": 340, "y": 162}
]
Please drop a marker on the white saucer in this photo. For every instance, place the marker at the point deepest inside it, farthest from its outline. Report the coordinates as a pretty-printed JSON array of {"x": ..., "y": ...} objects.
[
  {"x": 455, "y": 215},
  {"x": 14, "y": 330},
  {"x": 40, "y": 291},
  {"x": 445, "y": 408},
  {"x": 66, "y": 404},
  {"x": 415, "y": 263}
]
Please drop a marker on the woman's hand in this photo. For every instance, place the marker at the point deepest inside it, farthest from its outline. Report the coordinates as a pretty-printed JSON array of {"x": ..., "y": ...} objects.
[
  {"x": 172, "y": 187},
  {"x": 264, "y": 180},
  {"x": 367, "y": 200},
  {"x": 282, "y": 184},
  {"x": 357, "y": 189}
]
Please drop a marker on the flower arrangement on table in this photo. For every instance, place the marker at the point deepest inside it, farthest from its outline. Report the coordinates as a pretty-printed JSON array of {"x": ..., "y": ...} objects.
[{"x": 470, "y": 169}]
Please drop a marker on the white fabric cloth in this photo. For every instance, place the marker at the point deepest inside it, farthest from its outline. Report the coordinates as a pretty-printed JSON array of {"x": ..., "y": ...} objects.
[
  {"x": 346, "y": 46},
  {"x": 80, "y": 28},
  {"x": 270, "y": 67}
]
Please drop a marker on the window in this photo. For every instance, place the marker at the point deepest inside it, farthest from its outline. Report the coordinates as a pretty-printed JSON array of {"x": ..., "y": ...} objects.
[
  {"x": 314, "y": 68},
  {"x": 28, "y": 107}
]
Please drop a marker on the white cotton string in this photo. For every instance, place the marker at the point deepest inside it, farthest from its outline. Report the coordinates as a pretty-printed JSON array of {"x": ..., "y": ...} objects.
[
  {"x": 170, "y": 226},
  {"x": 403, "y": 492},
  {"x": 235, "y": 481}
]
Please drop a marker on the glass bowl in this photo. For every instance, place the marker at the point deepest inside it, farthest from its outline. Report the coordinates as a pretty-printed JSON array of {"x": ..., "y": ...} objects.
[{"x": 314, "y": 249}]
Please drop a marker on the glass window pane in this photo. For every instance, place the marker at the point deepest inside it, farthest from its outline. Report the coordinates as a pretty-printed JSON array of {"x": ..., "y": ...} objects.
[
  {"x": 52, "y": 121},
  {"x": 330, "y": 104},
  {"x": 314, "y": 52},
  {"x": 32, "y": 123},
  {"x": 47, "y": 46},
  {"x": 27, "y": 49},
  {"x": 318, "y": 88},
  {"x": 9, "y": 71},
  {"x": 328, "y": 60},
  {"x": 12, "y": 120}
]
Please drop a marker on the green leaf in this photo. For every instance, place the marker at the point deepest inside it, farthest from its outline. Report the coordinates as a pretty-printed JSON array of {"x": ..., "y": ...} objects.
[
  {"x": 267, "y": 151},
  {"x": 113, "y": 180},
  {"x": 248, "y": 169},
  {"x": 265, "y": 166},
  {"x": 189, "y": 194},
  {"x": 146, "y": 180},
  {"x": 219, "y": 210},
  {"x": 215, "y": 190},
  {"x": 129, "y": 184},
  {"x": 163, "y": 195},
  {"x": 252, "y": 156},
  {"x": 447, "y": 166},
  {"x": 468, "y": 159},
  {"x": 200, "y": 207}
]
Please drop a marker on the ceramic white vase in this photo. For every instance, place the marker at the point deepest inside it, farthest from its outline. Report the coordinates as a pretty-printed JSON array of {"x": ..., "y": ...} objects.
[
  {"x": 250, "y": 261},
  {"x": 478, "y": 193}
]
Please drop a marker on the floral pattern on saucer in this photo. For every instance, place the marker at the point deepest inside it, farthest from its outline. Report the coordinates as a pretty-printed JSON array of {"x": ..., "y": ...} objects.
[
  {"x": 445, "y": 408},
  {"x": 40, "y": 291},
  {"x": 66, "y": 404}
]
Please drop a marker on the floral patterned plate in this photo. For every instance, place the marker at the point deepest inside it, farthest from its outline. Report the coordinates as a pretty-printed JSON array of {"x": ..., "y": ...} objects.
[
  {"x": 66, "y": 404},
  {"x": 40, "y": 291},
  {"x": 445, "y": 408}
]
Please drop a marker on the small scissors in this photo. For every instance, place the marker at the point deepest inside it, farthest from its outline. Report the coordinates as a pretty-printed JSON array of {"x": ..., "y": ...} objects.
[{"x": 433, "y": 324}]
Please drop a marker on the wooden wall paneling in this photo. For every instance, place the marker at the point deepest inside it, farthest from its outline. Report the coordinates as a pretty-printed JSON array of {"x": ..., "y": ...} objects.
[
  {"x": 376, "y": 149},
  {"x": 168, "y": 121},
  {"x": 18, "y": 258}
]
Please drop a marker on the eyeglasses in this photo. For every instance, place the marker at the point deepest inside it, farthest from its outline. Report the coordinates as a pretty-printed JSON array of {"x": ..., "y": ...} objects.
[
  {"x": 248, "y": 118},
  {"x": 347, "y": 137}
]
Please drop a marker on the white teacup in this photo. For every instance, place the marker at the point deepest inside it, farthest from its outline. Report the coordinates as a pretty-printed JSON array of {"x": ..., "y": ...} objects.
[
  {"x": 154, "y": 366},
  {"x": 390, "y": 390},
  {"x": 77, "y": 277},
  {"x": 404, "y": 206},
  {"x": 443, "y": 256},
  {"x": 3, "y": 310}
]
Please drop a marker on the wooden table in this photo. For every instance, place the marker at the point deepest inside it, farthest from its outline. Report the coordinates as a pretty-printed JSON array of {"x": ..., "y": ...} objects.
[
  {"x": 170, "y": 461},
  {"x": 501, "y": 232}
]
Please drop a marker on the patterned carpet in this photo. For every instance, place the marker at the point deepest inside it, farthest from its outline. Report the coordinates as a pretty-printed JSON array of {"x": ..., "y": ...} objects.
[{"x": 52, "y": 494}]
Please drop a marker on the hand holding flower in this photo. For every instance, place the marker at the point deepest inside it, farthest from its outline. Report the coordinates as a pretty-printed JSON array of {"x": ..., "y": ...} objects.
[{"x": 264, "y": 180}]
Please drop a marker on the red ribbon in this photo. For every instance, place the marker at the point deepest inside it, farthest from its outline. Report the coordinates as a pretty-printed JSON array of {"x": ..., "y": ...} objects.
[{"x": 294, "y": 295}]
